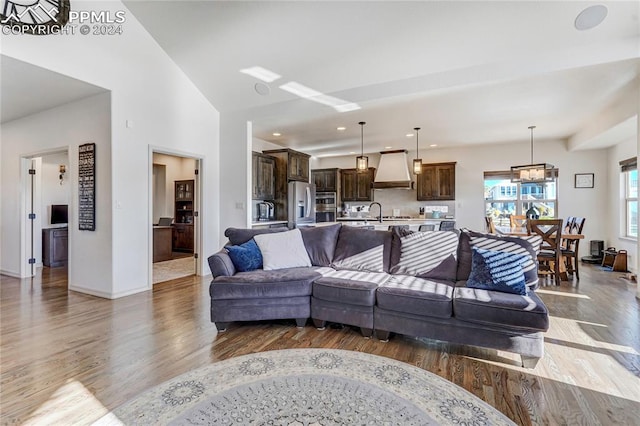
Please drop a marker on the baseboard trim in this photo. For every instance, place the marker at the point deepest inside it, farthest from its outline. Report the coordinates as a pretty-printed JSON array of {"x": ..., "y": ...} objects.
[
  {"x": 106, "y": 295},
  {"x": 11, "y": 274}
]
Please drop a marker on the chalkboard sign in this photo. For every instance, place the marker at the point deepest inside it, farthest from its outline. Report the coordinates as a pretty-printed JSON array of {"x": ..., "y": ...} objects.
[{"x": 87, "y": 187}]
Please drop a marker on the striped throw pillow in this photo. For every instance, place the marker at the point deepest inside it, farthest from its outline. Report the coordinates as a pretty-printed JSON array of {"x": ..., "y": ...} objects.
[
  {"x": 362, "y": 250},
  {"x": 528, "y": 246},
  {"x": 497, "y": 271},
  {"x": 430, "y": 254}
]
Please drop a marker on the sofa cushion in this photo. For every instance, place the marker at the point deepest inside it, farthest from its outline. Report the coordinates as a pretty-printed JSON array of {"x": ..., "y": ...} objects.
[
  {"x": 245, "y": 257},
  {"x": 352, "y": 287},
  {"x": 529, "y": 246},
  {"x": 417, "y": 296},
  {"x": 500, "y": 309},
  {"x": 429, "y": 254},
  {"x": 320, "y": 243},
  {"x": 264, "y": 284},
  {"x": 497, "y": 270},
  {"x": 362, "y": 293},
  {"x": 362, "y": 250},
  {"x": 239, "y": 236},
  {"x": 282, "y": 250}
]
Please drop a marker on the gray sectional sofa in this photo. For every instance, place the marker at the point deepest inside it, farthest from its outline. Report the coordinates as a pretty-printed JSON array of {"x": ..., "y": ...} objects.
[{"x": 388, "y": 282}]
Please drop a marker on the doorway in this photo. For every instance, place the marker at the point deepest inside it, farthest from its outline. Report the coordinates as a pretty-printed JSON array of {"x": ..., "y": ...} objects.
[
  {"x": 175, "y": 193},
  {"x": 46, "y": 211}
]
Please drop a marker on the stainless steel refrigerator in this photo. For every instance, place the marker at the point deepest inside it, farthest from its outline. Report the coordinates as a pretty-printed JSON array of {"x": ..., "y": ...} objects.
[{"x": 301, "y": 204}]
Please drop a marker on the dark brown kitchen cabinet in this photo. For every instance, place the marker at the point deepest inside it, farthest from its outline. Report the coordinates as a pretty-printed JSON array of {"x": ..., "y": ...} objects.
[
  {"x": 263, "y": 177},
  {"x": 325, "y": 180},
  {"x": 184, "y": 214},
  {"x": 356, "y": 186},
  {"x": 55, "y": 246},
  {"x": 290, "y": 166},
  {"x": 437, "y": 182},
  {"x": 295, "y": 164}
]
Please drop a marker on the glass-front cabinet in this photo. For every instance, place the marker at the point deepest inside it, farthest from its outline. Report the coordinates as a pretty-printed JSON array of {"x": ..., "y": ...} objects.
[{"x": 183, "y": 201}]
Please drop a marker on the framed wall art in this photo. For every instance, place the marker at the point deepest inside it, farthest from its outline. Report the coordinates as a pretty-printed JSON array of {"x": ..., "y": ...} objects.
[
  {"x": 583, "y": 180},
  {"x": 87, "y": 187}
]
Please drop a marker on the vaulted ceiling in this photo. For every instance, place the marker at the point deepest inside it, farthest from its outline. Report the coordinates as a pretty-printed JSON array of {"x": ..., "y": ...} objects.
[{"x": 465, "y": 72}]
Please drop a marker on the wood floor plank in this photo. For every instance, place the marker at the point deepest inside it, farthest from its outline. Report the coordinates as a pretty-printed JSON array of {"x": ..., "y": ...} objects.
[{"x": 66, "y": 357}]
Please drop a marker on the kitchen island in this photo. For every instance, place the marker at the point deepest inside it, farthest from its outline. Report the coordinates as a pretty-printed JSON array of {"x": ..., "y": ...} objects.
[
  {"x": 413, "y": 223},
  {"x": 261, "y": 224}
]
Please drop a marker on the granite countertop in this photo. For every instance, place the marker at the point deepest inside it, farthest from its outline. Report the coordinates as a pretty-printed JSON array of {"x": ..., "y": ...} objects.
[
  {"x": 374, "y": 219},
  {"x": 268, "y": 222},
  {"x": 413, "y": 224}
]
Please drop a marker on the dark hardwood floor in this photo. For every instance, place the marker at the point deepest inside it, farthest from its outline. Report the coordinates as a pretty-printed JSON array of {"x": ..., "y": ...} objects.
[{"x": 68, "y": 358}]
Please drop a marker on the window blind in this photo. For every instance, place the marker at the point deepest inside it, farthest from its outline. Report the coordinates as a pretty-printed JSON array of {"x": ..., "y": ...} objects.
[{"x": 629, "y": 164}]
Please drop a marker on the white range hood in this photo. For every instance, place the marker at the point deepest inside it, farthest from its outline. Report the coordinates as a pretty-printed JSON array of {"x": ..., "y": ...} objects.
[{"x": 393, "y": 171}]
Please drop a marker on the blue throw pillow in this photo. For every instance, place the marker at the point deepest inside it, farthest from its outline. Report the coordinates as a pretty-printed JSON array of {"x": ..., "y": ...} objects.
[
  {"x": 497, "y": 271},
  {"x": 245, "y": 257}
]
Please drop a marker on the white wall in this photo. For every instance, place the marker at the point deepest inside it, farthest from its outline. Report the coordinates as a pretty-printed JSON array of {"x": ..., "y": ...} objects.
[
  {"x": 153, "y": 105},
  {"x": 235, "y": 171},
  {"x": 61, "y": 128},
  {"x": 472, "y": 162},
  {"x": 160, "y": 204},
  {"x": 260, "y": 145}
]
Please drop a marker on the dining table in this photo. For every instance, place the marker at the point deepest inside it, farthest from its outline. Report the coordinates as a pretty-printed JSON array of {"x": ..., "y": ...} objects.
[{"x": 522, "y": 231}]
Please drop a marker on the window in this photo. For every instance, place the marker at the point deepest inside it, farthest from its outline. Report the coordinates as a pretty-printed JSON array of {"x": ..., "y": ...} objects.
[
  {"x": 504, "y": 198},
  {"x": 631, "y": 201},
  {"x": 629, "y": 174}
]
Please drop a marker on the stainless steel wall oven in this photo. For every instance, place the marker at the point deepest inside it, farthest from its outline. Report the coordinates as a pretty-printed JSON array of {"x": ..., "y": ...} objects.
[{"x": 326, "y": 206}]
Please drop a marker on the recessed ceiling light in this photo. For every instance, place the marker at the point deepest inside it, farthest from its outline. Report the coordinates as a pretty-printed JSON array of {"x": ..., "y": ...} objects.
[
  {"x": 590, "y": 17},
  {"x": 341, "y": 129},
  {"x": 433, "y": 145},
  {"x": 277, "y": 134},
  {"x": 352, "y": 152},
  {"x": 388, "y": 147},
  {"x": 409, "y": 135}
]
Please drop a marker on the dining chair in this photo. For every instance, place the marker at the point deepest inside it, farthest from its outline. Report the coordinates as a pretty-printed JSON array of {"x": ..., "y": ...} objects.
[
  {"x": 426, "y": 227},
  {"x": 517, "y": 221},
  {"x": 447, "y": 225},
  {"x": 491, "y": 227},
  {"x": 566, "y": 229},
  {"x": 550, "y": 254},
  {"x": 570, "y": 247}
]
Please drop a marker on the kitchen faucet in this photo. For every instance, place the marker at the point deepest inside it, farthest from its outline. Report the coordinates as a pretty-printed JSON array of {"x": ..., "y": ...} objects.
[{"x": 379, "y": 205}]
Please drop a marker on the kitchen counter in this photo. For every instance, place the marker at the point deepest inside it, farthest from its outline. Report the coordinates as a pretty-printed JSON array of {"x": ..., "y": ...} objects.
[
  {"x": 268, "y": 223},
  {"x": 414, "y": 223},
  {"x": 399, "y": 220}
]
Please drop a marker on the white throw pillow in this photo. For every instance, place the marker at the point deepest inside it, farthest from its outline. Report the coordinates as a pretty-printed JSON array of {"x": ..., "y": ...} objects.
[{"x": 282, "y": 250}]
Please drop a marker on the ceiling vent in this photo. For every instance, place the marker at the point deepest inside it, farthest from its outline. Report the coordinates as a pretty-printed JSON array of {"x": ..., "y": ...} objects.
[{"x": 393, "y": 171}]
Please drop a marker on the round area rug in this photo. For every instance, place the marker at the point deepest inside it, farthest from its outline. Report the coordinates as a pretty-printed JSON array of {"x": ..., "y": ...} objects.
[{"x": 307, "y": 387}]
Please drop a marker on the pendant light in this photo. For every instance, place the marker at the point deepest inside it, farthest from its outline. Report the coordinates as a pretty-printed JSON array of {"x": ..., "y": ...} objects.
[
  {"x": 362, "y": 161},
  {"x": 532, "y": 173},
  {"x": 417, "y": 163}
]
